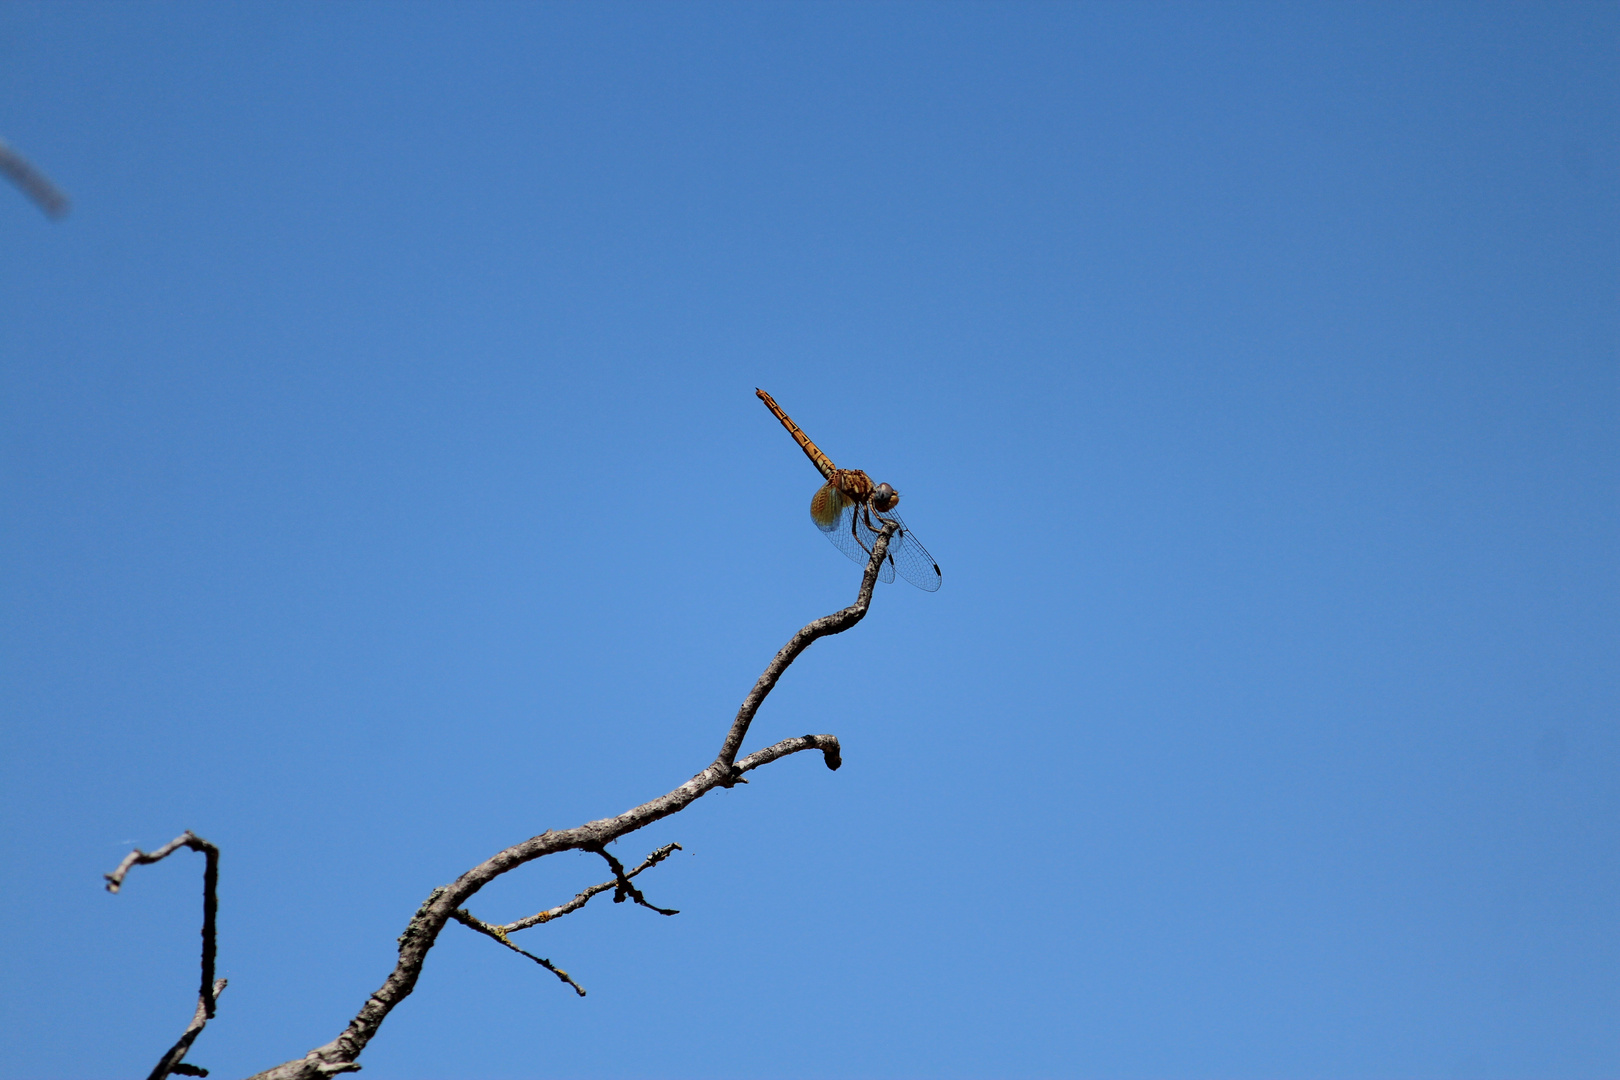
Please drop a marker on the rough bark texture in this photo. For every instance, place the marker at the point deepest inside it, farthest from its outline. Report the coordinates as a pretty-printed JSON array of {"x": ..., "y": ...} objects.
[{"x": 446, "y": 903}]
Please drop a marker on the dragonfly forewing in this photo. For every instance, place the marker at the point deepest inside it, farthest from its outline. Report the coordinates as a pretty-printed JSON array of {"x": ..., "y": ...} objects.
[
  {"x": 913, "y": 561},
  {"x": 856, "y": 530}
]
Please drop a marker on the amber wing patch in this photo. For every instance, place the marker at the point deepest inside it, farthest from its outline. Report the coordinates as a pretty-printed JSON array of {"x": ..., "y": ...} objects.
[{"x": 826, "y": 506}]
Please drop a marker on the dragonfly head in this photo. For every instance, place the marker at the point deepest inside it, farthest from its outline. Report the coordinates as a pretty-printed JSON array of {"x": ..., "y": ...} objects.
[{"x": 884, "y": 498}]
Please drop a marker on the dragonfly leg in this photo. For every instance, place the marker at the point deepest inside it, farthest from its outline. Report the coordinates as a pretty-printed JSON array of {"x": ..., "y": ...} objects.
[
  {"x": 867, "y": 511},
  {"x": 870, "y": 514},
  {"x": 854, "y": 529}
]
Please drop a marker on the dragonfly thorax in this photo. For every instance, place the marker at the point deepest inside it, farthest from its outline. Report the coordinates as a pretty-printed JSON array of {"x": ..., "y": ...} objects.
[
  {"x": 858, "y": 488},
  {"x": 854, "y": 484}
]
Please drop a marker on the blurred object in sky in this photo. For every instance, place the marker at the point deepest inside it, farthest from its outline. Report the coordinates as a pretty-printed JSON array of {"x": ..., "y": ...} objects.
[{"x": 34, "y": 183}]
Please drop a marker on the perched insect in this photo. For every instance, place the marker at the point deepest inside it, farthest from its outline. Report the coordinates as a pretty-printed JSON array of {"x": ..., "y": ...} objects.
[{"x": 852, "y": 510}]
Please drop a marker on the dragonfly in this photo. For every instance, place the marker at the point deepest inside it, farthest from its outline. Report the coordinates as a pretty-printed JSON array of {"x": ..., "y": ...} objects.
[{"x": 852, "y": 510}]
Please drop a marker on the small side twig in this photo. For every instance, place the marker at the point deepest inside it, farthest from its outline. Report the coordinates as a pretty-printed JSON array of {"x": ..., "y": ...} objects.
[
  {"x": 827, "y": 744},
  {"x": 585, "y": 895},
  {"x": 467, "y": 918},
  {"x": 500, "y": 932},
  {"x": 209, "y": 990},
  {"x": 171, "y": 1064},
  {"x": 623, "y": 888}
]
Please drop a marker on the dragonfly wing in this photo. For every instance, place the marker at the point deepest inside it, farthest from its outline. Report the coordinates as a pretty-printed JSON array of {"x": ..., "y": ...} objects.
[
  {"x": 915, "y": 564},
  {"x": 850, "y": 535},
  {"x": 828, "y": 507},
  {"x": 850, "y": 526},
  {"x": 908, "y": 556}
]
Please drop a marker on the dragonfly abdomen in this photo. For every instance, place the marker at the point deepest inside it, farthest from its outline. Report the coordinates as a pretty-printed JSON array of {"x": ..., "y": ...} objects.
[{"x": 821, "y": 461}]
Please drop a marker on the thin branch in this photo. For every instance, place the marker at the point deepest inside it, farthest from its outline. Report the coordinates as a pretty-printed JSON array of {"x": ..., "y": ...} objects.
[
  {"x": 115, "y": 880},
  {"x": 623, "y": 888},
  {"x": 827, "y": 744},
  {"x": 443, "y": 902},
  {"x": 499, "y": 933},
  {"x": 171, "y": 1062},
  {"x": 836, "y": 623},
  {"x": 209, "y": 990},
  {"x": 585, "y": 896},
  {"x": 467, "y": 918},
  {"x": 46, "y": 195}
]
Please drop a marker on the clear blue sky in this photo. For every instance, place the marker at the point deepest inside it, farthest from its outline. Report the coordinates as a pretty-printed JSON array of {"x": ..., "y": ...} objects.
[{"x": 382, "y": 482}]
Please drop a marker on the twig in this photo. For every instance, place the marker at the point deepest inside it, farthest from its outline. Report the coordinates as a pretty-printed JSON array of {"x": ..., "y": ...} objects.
[
  {"x": 623, "y": 888},
  {"x": 443, "y": 902},
  {"x": 171, "y": 1063},
  {"x": 584, "y": 897},
  {"x": 466, "y": 918},
  {"x": 499, "y": 933},
  {"x": 46, "y": 195},
  {"x": 836, "y": 623},
  {"x": 209, "y": 990},
  {"x": 825, "y": 743}
]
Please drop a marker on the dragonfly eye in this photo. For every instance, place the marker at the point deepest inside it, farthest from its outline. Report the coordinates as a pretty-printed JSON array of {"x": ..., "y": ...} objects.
[{"x": 884, "y": 498}]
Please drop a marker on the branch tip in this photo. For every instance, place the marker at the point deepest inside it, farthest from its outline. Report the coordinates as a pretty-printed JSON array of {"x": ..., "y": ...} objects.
[
  {"x": 209, "y": 989},
  {"x": 467, "y": 918}
]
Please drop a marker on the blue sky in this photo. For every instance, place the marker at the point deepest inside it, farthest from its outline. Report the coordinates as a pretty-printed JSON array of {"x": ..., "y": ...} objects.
[{"x": 382, "y": 483}]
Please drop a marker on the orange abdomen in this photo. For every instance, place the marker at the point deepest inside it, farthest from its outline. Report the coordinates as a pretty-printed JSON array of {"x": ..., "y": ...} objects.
[{"x": 811, "y": 450}]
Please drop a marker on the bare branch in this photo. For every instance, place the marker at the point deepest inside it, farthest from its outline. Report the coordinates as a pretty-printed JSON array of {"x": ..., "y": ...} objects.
[
  {"x": 466, "y": 918},
  {"x": 623, "y": 888},
  {"x": 171, "y": 1063},
  {"x": 115, "y": 880},
  {"x": 444, "y": 902},
  {"x": 46, "y": 195},
  {"x": 499, "y": 933},
  {"x": 836, "y": 623},
  {"x": 209, "y": 990},
  {"x": 827, "y": 744},
  {"x": 584, "y": 897}
]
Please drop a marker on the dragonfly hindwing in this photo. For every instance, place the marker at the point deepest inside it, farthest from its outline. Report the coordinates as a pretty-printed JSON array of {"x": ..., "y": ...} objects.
[{"x": 827, "y": 506}]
